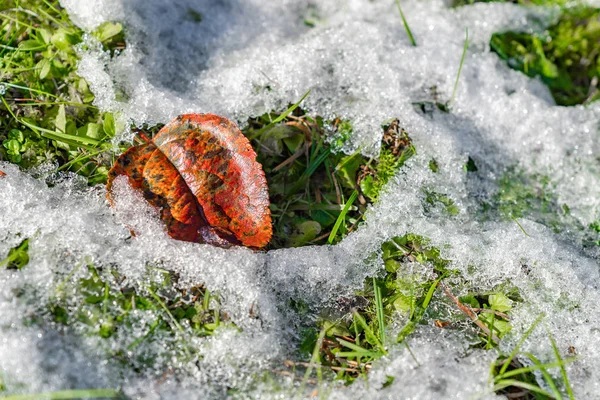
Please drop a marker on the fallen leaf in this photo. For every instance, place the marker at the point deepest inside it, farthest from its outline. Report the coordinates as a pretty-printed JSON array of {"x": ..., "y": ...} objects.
[
  {"x": 201, "y": 172},
  {"x": 2, "y": 174}
]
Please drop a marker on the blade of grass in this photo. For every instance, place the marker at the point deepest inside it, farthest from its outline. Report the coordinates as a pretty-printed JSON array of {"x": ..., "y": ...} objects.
[
  {"x": 348, "y": 354},
  {"x": 412, "y": 354},
  {"x": 462, "y": 60},
  {"x": 280, "y": 118},
  {"x": 67, "y": 394},
  {"x": 563, "y": 371},
  {"x": 353, "y": 346},
  {"x": 341, "y": 217},
  {"x": 538, "y": 366},
  {"x": 524, "y": 385},
  {"x": 164, "y": 307},
  {"x": 519, "y": 225},
  {"x": 379, "y": 307},
  {"x": 519, "y": 344},
  {"x": 368, "y": 331},
  {"x": 313, "y": 359},
  {"x": 408, "y": 32},
  {"x": 12, "y": 85}
]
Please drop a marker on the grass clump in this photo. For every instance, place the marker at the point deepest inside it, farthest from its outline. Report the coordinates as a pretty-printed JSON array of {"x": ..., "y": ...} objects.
[
  {"x": 318, "y": 193},
  {"x": 565, "y": 56},
  {"x": 45, "y": 107},
  {"x": 519, "y": 375},
  {"x": 354, "y": 333},
  {"x": 107, "y": 302}
]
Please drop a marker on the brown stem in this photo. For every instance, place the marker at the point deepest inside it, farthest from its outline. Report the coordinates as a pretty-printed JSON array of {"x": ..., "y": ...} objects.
[{"x": 465, "y": 309}]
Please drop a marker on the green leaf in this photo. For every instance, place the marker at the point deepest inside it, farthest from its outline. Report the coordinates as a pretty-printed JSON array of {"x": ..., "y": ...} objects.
[
  {"x": 108, "y": 30},
  {"x": 433, "y": 165},
  {"x": 16, "y": 135},
  {"x": 391, "y": 265},
  {"x": 404, "y": 303},
  {"x": 194, "y": 15},
  {"x": 470, "y": 300},
  {"x": 293, "y": 142},
  {"x": 31, "y": 45},
  {"x": 388, "y": 381},
  {"x": 367, "y": 186},
  {"x": 17, "y": 257},
  {"x": 64, "y": 40},
  {"x": 13, "y": 146},
  {"x": 347, "y": 169},
  {"x": 500, "y": 302},
  {"x": 109, "y": 124},
  {"x": 60, "y": 122},
  {"x": 304, "y": 233},
  {"x": 43, "y": 67},
  {"x": 43, "y": 35},
  {"x": 90, "y": 130},
  {"x": 335, "y": 329}
]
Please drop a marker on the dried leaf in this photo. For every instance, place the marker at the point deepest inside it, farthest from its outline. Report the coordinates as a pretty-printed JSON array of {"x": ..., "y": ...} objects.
[{"x": 202, "y": 174}]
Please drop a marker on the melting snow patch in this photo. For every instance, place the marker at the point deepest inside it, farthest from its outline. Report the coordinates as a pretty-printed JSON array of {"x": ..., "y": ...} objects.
[{"x": 243, "y": 58}]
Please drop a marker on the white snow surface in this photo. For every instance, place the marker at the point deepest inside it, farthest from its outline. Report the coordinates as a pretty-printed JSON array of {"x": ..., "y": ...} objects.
[{"x": 248, "y": 57}]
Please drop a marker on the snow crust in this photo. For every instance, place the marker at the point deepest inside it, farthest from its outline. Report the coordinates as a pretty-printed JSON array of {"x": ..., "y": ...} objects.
[{"x": 248, "y": 57}]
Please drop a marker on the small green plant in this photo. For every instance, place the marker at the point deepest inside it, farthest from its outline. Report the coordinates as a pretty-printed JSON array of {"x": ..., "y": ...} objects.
[
  {"x": 510, "y": 376},
  {"x": 107, "y": 304},
  {"x": 318, "y": 193},
  {"x": 565, "y": 56},
  {"x": 353, "y": 335},
  {"x": 17, "y": 257},
  {"x": 45, "y": 107}
]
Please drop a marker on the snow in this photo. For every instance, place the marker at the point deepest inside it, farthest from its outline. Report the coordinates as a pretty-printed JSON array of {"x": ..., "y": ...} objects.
[{"x": 248, "y": 57}]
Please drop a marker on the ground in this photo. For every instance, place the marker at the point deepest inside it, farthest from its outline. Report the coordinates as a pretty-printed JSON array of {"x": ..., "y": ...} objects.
[{"x": 433, "y": 180}]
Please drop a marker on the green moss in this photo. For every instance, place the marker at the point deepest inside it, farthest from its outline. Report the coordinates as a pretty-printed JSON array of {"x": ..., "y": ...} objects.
[{"x": 565, "y": 56}]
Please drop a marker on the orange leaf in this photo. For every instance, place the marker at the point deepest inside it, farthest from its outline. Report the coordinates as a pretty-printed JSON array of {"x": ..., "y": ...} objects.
[{"x": 201, "y": 172}]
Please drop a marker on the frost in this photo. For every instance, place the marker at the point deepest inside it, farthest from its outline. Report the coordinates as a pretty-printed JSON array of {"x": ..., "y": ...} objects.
[{"x": 242, "y": 58}]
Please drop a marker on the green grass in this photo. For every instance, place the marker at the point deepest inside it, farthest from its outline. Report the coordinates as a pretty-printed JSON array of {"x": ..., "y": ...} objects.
[
  {"x": 17, "y": 257},
  {"x": 67, "y": 394},
  {"x": 462, "y": 61},
  {"x": 45, "y": 107},
  {"x": 319, "y": 194},
  {"x": 356, "y": 335},
  {"x": 405, "y": 23},
  {"x": 510, "y": 377},
  {"x": 564, "y": 57}
]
